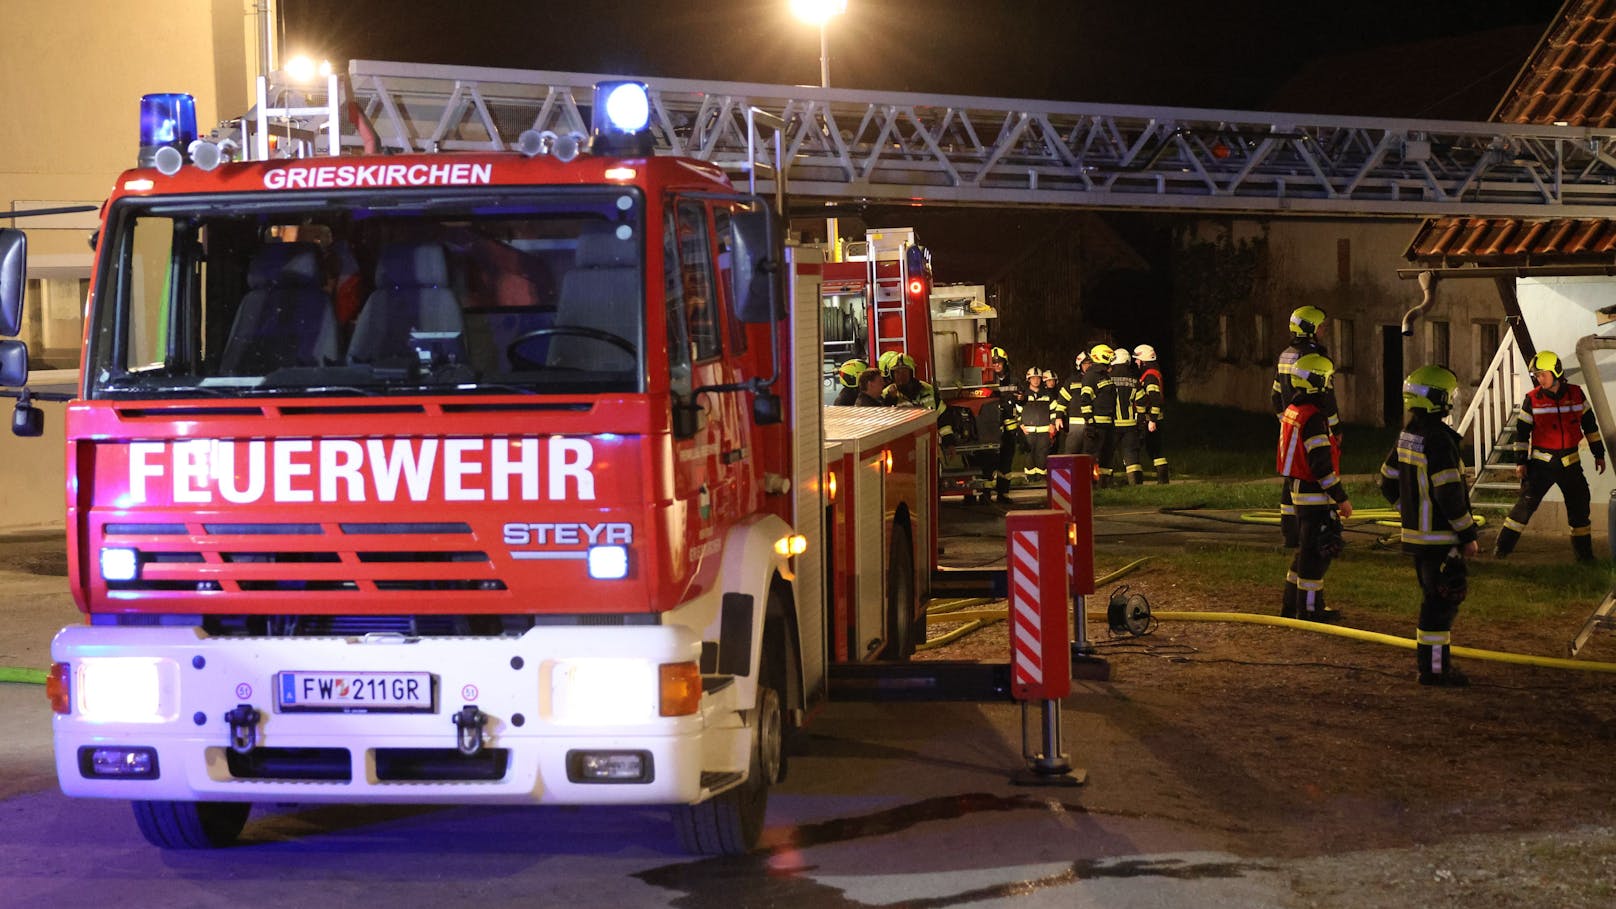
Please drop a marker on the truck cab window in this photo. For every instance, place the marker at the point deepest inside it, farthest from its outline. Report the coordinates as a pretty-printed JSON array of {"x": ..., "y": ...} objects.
[{"x": 697, "y": 286}]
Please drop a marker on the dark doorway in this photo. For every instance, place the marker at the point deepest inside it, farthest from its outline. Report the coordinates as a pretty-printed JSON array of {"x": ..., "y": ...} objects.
[{"x": 1391, "y": 375}]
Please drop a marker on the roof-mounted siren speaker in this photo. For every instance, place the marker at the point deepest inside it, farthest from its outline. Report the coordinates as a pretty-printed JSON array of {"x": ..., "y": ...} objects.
[
  {"x": 167, "y": 129},
  {"x": 620, "y": 120}
]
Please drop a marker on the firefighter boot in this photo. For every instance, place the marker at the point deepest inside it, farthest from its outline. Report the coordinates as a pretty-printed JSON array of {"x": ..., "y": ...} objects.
[
  {"x": 1136, "y": 477},
  {"x": 1311, "y": 608},
  {"x": 1582, "y": 544},
  {"x": 1507, "y": 538},
  {"x": 1435, "y": 667},
  {"x": 1161, "y": 473},
  {"x": 1287, "y": 609}
]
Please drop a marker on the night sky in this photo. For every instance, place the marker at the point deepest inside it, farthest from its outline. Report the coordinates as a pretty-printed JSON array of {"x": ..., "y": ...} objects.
[
  {"x": 1168, "y": 52},
  {"x": 1360, "y": 57}
]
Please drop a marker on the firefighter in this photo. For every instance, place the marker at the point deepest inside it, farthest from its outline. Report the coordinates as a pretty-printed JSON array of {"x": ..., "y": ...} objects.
[
  {"x": 1098, "y": 408},
  {"x": 1125, "y": 416},
  {"x": 904, "y": 389},
  {"x": 1305, "y": 324},
  {"x": 1421, "y": 478},
  {"x": 1037, "y": 416},
  {"x": 1553, "y": 421},
  {"x": 1069, "y": 407},
  {"x": 1007, "y": 395},
  {"x": 1151, "y": 398},
  {"x": 848, "y": 375},
  {"x": 1310, "y": 461},
  {"x": 869, "y": 392}
]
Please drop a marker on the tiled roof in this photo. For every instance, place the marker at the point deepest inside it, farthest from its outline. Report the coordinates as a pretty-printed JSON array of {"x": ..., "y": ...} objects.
[{"x": 1571, "y": 78}]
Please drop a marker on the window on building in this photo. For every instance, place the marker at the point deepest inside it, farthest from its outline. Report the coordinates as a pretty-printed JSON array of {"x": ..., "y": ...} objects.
[
  {"x": 1344, "y": 343},
  {"x": 1259, "y": 338},
  {"x": 1487, "y": 337},
  {"x": 1436, "y": 347}
]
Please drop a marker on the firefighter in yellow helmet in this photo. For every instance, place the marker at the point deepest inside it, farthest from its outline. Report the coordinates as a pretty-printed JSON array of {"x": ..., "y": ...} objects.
[
  {"x": 1552, "y": 423},
  {"x": 1421, "y": 477},
  {"x": 847, "y": 375},
  {"x": 905, "y": 389},
  {"x": 1305, "y": 323},
  {"x": 1099, "y": 405},
  {"x": 1006, "y": 402},
  {"x": 1309, "y": 459}
]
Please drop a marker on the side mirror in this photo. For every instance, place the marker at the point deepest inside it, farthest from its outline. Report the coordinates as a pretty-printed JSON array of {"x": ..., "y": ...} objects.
[
  {"x": 766, "y": 408},
  {"x": 13, "y": 364},
  {"x": 687, "y": 417},
  {"x": 757, "y": 298},
  {"x": 27, "y": 420},
  {"x": 13, "y": 272}
]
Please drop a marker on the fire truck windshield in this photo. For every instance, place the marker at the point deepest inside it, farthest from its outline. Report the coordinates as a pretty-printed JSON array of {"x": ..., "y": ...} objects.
[{"x": 537, "y": 292}]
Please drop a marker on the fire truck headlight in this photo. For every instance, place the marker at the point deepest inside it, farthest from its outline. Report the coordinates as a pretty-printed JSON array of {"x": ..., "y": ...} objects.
[
  {"x": 608, "y": 563},
  {"x": 602, "y": 692},
  {"x": 120, "y": 564},
  {"x": 125, "y": 689}
]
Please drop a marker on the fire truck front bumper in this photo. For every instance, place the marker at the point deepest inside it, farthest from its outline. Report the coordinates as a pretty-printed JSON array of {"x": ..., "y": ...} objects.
[{"x": 173, "y": 714}]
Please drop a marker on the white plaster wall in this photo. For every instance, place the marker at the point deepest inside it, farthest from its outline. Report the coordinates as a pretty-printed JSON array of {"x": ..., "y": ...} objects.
[{"x": 1559, "y": 312}]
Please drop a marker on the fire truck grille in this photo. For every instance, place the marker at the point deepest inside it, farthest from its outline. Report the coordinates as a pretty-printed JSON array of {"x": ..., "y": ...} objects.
[{"x": 271, "y": 557}]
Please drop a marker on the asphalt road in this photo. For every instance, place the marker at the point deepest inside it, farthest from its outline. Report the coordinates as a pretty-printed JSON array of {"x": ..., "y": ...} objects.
[{"x": 885, "y": 804}]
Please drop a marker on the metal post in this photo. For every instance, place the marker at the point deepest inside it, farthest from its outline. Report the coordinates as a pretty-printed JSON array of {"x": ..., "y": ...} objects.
[
  {"x": 1039, "y": 650},
  {"x": 1072, "y": 492},
  {"x": 824, "y": 54}
]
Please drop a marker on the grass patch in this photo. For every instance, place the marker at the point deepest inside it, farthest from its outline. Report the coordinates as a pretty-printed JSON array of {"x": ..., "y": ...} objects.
[
  {"x": 1233, "y": 493},
  {"x": 1206, "y": 440},
  {"x": 1368, "y": 580}
]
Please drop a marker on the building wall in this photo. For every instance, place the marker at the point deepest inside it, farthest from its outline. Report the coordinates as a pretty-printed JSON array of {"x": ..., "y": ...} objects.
[
  {"x": 1234, "y": 307},
  {"x": 75, "y": 75},
  {"x": 1560, "y": 312}
]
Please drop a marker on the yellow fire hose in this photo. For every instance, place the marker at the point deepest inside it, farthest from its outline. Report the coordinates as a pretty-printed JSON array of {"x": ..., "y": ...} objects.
[
  {"x": 1376, "y": 637},
  {"x": 26, "y": 676}
]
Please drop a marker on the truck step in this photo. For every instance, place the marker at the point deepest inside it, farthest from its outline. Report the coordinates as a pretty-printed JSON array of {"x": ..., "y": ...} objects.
[
  {"x": 927, "y": 680},
  {"x": 969, "y": 582}
]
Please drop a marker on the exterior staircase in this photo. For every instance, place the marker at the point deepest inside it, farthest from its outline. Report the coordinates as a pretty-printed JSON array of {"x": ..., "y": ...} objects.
[{"x": 1488, "y": 428}]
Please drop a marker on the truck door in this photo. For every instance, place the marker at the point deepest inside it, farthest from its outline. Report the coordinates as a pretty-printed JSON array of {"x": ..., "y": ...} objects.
[{"x": 712, "y": 464}]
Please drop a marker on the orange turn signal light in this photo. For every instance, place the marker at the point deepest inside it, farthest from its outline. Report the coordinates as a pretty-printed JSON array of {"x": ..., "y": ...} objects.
[
  {"x": 680, "y": 687},
  {"x": 57, "y": 688}
]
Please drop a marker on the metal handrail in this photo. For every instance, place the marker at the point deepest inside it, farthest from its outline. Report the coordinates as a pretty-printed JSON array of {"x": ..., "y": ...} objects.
[{"x": 1495, "y": 401}]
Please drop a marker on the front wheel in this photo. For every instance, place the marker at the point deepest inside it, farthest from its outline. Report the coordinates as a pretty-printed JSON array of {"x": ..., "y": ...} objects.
[
  {"x": 731, "y": 823},
  {"x": 191, "y": 825}
]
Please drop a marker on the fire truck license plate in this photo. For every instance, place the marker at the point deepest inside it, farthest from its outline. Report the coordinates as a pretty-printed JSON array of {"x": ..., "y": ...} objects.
[{"x": 409, "y": 692}]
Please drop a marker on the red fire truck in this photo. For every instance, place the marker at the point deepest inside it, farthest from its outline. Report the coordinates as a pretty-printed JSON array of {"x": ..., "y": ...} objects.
[
  {"x": 876, "y": 294},
  {"x": 494, "y": 477}
]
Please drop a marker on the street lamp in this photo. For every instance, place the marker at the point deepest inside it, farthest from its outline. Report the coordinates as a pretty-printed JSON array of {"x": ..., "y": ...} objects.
[{"x": 819, "y": 12}]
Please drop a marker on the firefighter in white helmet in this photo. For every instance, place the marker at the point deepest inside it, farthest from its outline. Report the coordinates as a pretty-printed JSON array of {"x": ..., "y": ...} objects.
[
  {"x": 1152, "y": 394},
  {"x": 1037, "y": 423},
  {"x": 1069, "y": 420}
]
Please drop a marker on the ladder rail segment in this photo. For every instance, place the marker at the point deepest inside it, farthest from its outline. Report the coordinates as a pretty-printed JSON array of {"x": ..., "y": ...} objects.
[{"x": 908, "y": 147}]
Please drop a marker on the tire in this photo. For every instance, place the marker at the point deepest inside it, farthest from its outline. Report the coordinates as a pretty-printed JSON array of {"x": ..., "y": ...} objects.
[
  {"x": 191, "y": 825},
  {"x": 731, "y": 823},
  {"x": 901, "y": 641}
]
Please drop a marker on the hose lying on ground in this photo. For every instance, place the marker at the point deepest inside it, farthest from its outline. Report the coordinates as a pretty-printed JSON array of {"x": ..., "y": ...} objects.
[
  {"x": 1376, "y": 637},
  {"x": 25, "y": 676}
]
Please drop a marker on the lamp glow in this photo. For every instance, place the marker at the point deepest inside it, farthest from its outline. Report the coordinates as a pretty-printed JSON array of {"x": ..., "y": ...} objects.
[
  {"x": 817, "y": 12},
  {"x": 608, "y": 563},
  {"x": 122, "y": 689}
]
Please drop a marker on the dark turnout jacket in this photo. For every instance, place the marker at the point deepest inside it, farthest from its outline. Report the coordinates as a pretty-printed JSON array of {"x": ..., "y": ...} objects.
[{"x": 1421, "y": 477}]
